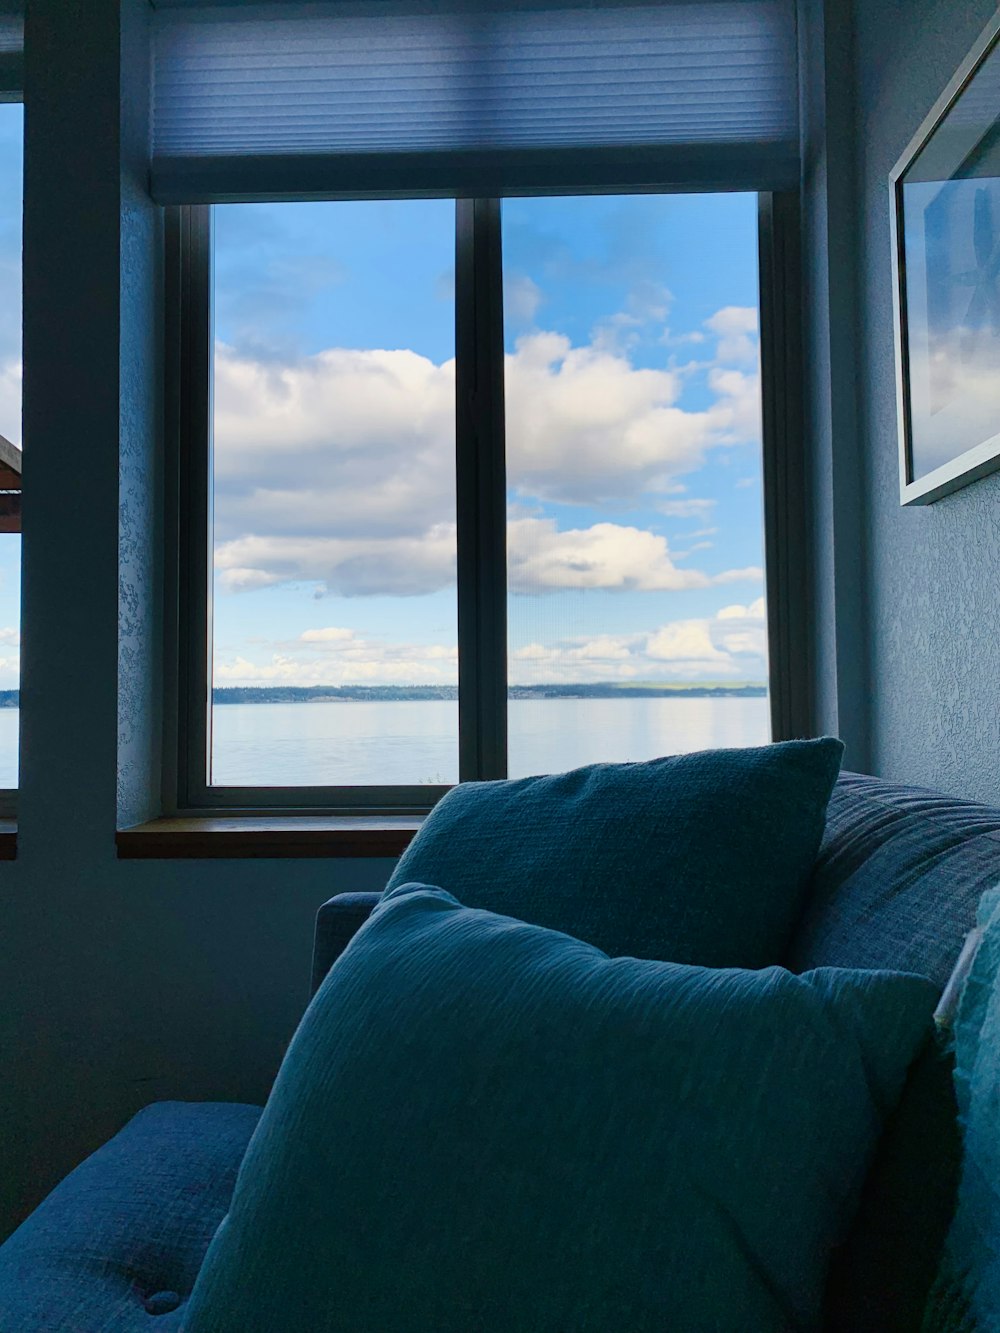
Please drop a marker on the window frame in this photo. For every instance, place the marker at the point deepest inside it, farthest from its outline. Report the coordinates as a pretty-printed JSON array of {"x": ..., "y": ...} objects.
[{"x": 480, "y": 502}]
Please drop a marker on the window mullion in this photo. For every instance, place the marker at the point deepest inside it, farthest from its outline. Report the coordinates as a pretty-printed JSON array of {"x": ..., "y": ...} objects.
[
  {"x": 785, "y": 541},
  {"x": 481, "y": 492}
]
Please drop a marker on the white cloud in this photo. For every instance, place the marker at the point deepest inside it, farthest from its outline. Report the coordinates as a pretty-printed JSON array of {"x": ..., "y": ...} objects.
[
  {"x": 331, "y": 634},
  {"x": 751, "y": 574},
  {"x": 405, "y": 566},
  {"x": 734, "y": 417},
  {"x": 541, "y": 559},
  {"x": 10, "y": 401},
  {"x": 728, "y": 646},
  {"x": 356, "y": 443},
  {"x": 755, "y": 609},
  {"x": 736, "y": 330},
  {"x": 335, "y": 655},
  {"x": 742, "y": 630},
  {"x": 586, "y": 426},
  {"x": 10, "y": 663},
  {"x": 361, "y": 444},
  {"x": 606, "y": 555},
  {"x": 521, "y": 298}
]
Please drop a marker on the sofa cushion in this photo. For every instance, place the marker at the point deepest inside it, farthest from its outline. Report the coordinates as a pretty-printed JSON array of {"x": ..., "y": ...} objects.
[
  {"x": 123, "y": 1236},
  {"x": 897, "y": 879},
  {"x": 966, "y": 1295},
  {"x": 699, "y": 858},
  {"x": 481, "y": 1124}
]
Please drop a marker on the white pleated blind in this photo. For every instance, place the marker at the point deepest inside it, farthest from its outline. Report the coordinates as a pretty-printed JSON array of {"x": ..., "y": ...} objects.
[{"x": 263, "y": 96}]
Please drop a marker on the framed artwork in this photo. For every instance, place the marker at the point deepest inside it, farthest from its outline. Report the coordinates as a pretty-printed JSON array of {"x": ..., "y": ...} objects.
[{"x": 946, "y": 276}]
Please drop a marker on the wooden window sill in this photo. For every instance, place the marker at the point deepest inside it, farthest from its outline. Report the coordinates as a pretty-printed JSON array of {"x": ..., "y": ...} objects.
[{"x": 272, "y": 836}]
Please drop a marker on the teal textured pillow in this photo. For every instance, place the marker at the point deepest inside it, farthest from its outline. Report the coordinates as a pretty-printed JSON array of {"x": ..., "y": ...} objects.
[
  {"x": 966, "y": 1294},
  {"x": 696, "y": 858},
  {"x": 485, "y": 1125}
]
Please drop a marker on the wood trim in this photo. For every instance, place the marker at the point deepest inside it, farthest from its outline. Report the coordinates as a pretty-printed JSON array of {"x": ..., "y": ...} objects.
[{"x": 287, "y": 836}]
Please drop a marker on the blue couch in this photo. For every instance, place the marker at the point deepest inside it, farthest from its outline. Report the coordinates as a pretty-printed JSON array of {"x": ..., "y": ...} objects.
[{"x": 119, "y": 1243}]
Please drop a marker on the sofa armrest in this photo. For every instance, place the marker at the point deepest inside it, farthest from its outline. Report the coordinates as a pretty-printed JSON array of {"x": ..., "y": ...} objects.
[{"x": 336, "y": 921}]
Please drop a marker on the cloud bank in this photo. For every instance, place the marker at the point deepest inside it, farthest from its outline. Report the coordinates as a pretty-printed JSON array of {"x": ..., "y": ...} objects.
[
  {"x": 730, "y": 645},
  {"x": 361, "y": 444}
]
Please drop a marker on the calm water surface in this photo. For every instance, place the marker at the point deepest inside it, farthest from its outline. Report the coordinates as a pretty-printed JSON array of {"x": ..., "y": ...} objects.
[
  {"x": 403, "y": 742},
  {"x": 8, "y": 746},
  {"x": 408, "y": 742}
]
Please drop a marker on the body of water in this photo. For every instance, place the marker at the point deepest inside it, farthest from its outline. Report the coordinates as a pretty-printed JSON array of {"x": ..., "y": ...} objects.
[
  {"x": 9, "y": 723},
  {"x": 399, "y": 741},
  {"x": 338, "y": 744}
]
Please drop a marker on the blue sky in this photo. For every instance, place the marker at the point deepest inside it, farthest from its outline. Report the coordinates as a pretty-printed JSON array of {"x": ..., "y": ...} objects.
[{"x": 633, "y": 440}]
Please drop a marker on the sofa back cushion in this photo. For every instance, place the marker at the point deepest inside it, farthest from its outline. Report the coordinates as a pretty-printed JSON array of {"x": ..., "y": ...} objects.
[
  {"x": 699, "y": 858},
  {"x": 897, "y": 881}
]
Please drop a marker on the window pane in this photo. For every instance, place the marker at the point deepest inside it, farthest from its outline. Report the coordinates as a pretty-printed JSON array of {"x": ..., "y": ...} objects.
[
  {"x": 11, "y": 150},
  {"x": 635, "y": 545},
  {"x": 335, "y": 649}
]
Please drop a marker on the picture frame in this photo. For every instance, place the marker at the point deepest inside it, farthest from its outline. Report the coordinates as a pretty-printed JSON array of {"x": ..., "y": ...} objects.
[{"x": 945, "y": 222}]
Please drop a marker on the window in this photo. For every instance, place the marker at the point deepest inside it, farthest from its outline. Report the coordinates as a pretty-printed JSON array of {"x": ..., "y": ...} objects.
[
  {"x": 634, "y": 541},
  {"x": 334, "y": 495},
  {"x": 610, "y": 529},
  {"x": 469, "y": 391},
  {"x": 11, "y": 141}
]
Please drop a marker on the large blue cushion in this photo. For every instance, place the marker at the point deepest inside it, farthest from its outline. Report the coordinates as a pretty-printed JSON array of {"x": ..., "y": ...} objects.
[
  {"x": 484, "y": 1125},
  {"x": 699, "y": 858},
  {"x": 122, "y": 1238}
]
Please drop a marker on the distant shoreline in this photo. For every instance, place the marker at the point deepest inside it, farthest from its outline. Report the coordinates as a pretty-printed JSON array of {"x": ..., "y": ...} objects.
[
  {"x": 326, "y": 694},
  {"x": 421, "y": 693}
]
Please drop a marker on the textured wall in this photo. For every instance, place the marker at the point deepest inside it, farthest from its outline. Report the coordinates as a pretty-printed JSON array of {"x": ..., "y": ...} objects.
[
  {"x": 140, "y": 469},
  {"x": 121, "y": 982},
  {"x": 933, "y": 572}
]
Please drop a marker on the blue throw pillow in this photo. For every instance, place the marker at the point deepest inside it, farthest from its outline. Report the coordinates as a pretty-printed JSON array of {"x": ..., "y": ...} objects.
[
  {"x": 696, "y": 858},
  {"x": 485, "y": 1125},
  {"x": 966, "y": 1292}
]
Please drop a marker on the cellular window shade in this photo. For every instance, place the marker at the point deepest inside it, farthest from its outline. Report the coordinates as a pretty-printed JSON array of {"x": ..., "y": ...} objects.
[{"x": 466, "y": 98}]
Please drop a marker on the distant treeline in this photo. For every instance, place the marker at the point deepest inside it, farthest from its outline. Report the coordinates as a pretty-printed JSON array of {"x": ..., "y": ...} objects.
[
  {"x": 309, "y": 694},
  {"x": 305, "y": 694}
]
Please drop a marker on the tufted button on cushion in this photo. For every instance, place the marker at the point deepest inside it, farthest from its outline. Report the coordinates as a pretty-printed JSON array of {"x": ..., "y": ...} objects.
[{"x": 162, "y": 1302}]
